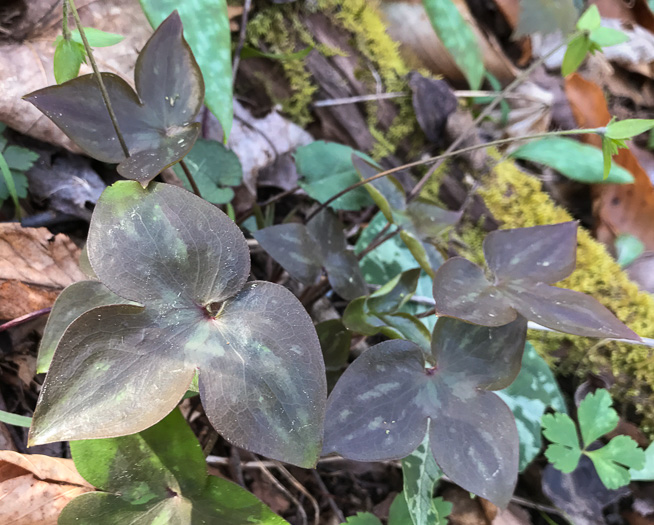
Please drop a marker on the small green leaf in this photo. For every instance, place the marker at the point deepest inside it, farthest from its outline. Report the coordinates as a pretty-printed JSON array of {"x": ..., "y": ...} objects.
[
  {"x": 363, "y": 518},
  {"x": 614, "y": 460},
  {"x": 606, "y": 37},
  {"x": 96, "y": 37},
  {"x": 325, "y": 168},
  {"x": 20, "y": 159},
  {"x": 590, "y": 19},
  {"x": 15, "y": 419},
  {"x": 575, "y": 53},
  {"x": 646, "y": 473},
  {"x": 214, "y": 169},
  {"x": 68, "y": 58},
  {"x": 626, "y": 129},
  {"x": 564, "y": 452},
  {"x": 9, "y": 182},
  {"x": 596, "y": 417},
  {"x": 607, "y": 155},
  {"x": 458, "y": 38},
  {"x": 577, "y": 161},
  {"x": 628, "y": 248}
]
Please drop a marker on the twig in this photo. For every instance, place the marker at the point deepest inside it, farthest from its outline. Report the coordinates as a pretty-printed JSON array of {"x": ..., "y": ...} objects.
[
  {"x": 221, "y": 461},
  {"x": 359, "y": 98},
  {"x": 446, "y": 155},
  {"x": 377, "y": 242},
  {"x": 241, "y": 39},
  {"x": 337, "y": 511},
  {"x": 537, "y": 506},
  {"x": 98, "y": 77},
  {"x": 235, "y": 466},
  {"x": 485, "y": 112},
  {"x": 24, "y": 318},
  {"x": 291, "y": 479},
  {"x": 282, "y": 489},
  {"x": 190, "y": 178}
]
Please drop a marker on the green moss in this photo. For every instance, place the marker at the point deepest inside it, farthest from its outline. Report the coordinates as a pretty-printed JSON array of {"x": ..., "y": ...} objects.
[
  {"x": 278, "y": 29},
  {"x": 517, "y": 200}
]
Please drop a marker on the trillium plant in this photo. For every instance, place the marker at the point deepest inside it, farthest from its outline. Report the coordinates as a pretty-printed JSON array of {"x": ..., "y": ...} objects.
[{"x": 169, "y": 306}]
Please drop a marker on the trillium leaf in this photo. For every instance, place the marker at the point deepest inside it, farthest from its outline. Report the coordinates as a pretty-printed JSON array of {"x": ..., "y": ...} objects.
[
  {"x": 545, "y": 254},
  {"x": 75, "y": 300},
  {"x": 382, "y": 405},
  {"x": 158, "y": 475},
  {"x": 303, "y": 251},
  {"x": 157, "y": 124},
  {"x": 262, "y": 377},
  {"x": 461, "y": 290},
  {"x": 523, "y": 262}
]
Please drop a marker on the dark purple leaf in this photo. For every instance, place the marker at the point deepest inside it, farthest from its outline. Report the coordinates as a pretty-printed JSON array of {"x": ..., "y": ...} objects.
[
  {"x": 565, "y": 310},
  {"x": 157, "y": 124},
  {"x": 461, "y": 290},
  {"x": 261, "y": 372},
  {"x": 433, "y": 102},
  {"x": 381, "y": 406},
  {"x": 545, "y": 254},
  {"x": 303, "y": 251},
  {"x": 294, "y": 249}
]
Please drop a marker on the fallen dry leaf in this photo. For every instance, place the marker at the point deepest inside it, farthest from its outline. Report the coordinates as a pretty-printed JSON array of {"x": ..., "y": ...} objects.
[
  {"x": 635, "y": 12},
  {"x": 618, "y": 208},
  {"x": 35, "y": 488},
  {"x": 35, "y": 266},
  {"x": 26, "y": 57}
]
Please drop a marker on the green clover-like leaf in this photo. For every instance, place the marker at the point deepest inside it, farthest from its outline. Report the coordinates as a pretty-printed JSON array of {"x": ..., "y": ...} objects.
[
  {"x": 523, "y": 263},
  {"x": 304, "y": 251},
  {"x": 564, "y": 452},
  {"x": 261, "y": 372},
  {"x": 156, "y": 121},
  {"x": 596, "y": 416},
  {"x": 157, "y": 476},
  {"x": 614, "y": 460},
  {"x": 382, "y": 405}
]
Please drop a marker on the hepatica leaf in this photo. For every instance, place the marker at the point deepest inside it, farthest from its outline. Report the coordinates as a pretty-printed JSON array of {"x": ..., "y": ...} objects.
[
  {"x": 261, "y": 372},
  {"x": 523, "y": 263},
  {"x": 156, "y": 120},
  {"x": 382, "y": 405},
  {"x": 304, "y": 251},
  {"x": 157, "y": 476}
]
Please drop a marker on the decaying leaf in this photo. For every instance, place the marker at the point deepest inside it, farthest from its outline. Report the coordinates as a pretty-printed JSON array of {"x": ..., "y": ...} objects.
[
  {"x": 35, "y": 266},
  {"x": 35, "y": 488},
  {"x": 383, "y": 403}
]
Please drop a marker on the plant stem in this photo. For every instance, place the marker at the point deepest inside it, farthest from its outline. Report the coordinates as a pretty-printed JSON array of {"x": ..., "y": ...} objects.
[
  {"x": 98, "y": 77},
  {"x": 379, "y": 239},
  {"x": 64, "y": 23},
  {"x": 24, "y": 318},
  {"x": 447, "y": 155},
  {"x": 247, "y": 5},
  {"x": 190, "y": 178},
  {"x": 485, "y": 112}
]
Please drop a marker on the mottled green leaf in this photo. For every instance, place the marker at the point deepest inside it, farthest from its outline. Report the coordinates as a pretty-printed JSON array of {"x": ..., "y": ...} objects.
[
  {"x": 157, "y": 476},
  {"x": 75, "y": 300},
  {"x": 187, "y": 263},
  {"x": 325, "y": 168},
  {"x": 421, "y": 473},
  {"x": 15, "y": 419},
  {"x": 303, "y": 251},
  {"x": 214, "y": 169},
  {"x": 596, "y": 416},
  {"x": 523, "y": 262},
  {"x": 564, "y": 452},
  {"x": 534, "y": 390},
  {"x": 458, "y": 38},
  {"x": 577, "y": 161},
  {"x": 68, "y": 57},
  {"x": 614, "y": 460},
  {"x": 546, "y": 16},
  {"x": 382, "y": 405},
  {"x": 157, "y": 123},
  {"x": 206, "y": 28}
]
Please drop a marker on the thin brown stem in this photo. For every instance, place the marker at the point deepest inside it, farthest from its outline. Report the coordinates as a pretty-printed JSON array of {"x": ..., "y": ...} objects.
[
  {"x": 485, "y": 112},
  {"x": 446, "y": 155},
  {"x": 24, "y": 318},
  {"x": 377, "y": 242},
  {"x": 241, "y": 39},
  {"x": 337, "y": 511},
  {"x": 190, "y": 178},
  {"x": 64, "y": 23},
  {"x": 430, "y": 312},
  {"x": 98, "y": 77}
]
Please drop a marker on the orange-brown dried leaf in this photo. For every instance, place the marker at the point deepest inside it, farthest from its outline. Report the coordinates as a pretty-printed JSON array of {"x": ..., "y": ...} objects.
[
  {"x": 635, "y": 12},
  {"x": 35, "y": 488},
  {"x": 618, "y": 208},
  {"x": 35, "y": 266}
]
